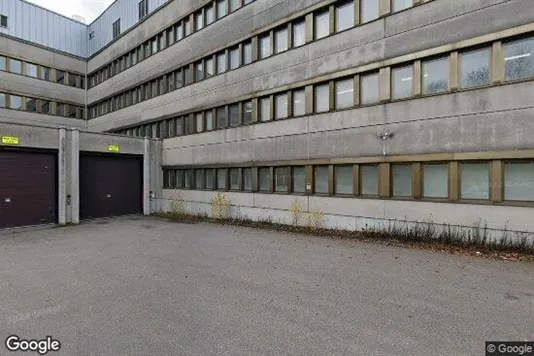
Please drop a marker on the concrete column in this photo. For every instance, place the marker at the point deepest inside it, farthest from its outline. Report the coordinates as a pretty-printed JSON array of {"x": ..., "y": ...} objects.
[
  {"x": 62, "y": 177},
  {"x": 417, "y": 189},
  {"x": 497, "y": 63},
  {"x": 356, "y": 180},
  {"x": 454, "y": 82},
  {"x": 331, "y": 180},
  {"x": 309, "y": 28},
  {"x": 384, "y": 78},
  {"x": 308, "y": 91},
  {"x": 146, "y": 178},
  {"x": 75, "y": 176},
  {"x": 417, "y": 76},
  {"x": 357, "y": 90},
  {"x": 496, "y": 181},
  {"x": 384, "y": 188},
  {"x": 454, "y": 183},
  {"x": 385, "y": 8}
]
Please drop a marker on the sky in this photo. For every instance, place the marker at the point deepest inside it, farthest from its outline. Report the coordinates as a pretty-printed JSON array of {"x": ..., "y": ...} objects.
[{"x": 88, "y": 9}]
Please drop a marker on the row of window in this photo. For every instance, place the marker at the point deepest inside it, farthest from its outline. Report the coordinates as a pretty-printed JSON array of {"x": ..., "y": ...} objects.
[
  {"x": 269, "y": 43},
  {"x": 430, "y": 179},
  {"x": 29, "y": 69},
  {"x": 210, "y": 13},
  {"x": 434, "y": 77},
  {"x": 41, "y": 106}
]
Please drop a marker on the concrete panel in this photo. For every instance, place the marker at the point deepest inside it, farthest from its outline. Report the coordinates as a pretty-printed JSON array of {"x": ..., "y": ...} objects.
[
  {"x": 22, "y": 117},
  {"x": 31, "y": 136},
  {"x": 36, "y": 87},
  {"x": 365, "y": 116},
  {"x": 281, "y": 148},
  {"x": 463, "y": 26},
  {"x": 177, "y": 156},
  {"x": 40, "y": 55},
  {"x": 93, "y": 142},
  {"x": 279, "y": 201},
  {"x": 493, "y": 131},
  {"x": 348, "y": 206}
]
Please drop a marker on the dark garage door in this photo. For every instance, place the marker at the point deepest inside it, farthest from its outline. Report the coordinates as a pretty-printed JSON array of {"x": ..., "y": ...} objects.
[
  {"x": 28, "y": 188},
  {"x": 110, "y": 185}
]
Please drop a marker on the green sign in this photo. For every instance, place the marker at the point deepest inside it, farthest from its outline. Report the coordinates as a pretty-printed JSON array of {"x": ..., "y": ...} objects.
[{"x": 114, "y": 148}]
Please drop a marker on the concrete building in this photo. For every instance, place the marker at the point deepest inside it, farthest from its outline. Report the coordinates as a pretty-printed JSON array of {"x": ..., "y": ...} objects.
[{"x": 362, "y": 111}]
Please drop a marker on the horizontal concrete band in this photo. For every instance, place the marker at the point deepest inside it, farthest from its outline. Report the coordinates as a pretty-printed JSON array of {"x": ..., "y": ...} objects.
[{"x": 356, "y": 214}]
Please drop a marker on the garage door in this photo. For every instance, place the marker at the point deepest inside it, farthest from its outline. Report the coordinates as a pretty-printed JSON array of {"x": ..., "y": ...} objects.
[
  {"x": 110, "y": 185},
  {"x": 28, "y": 188}
]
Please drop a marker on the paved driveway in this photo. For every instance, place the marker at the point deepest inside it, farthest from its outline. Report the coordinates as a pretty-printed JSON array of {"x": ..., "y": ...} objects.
[{"x": 144, "y": 286}]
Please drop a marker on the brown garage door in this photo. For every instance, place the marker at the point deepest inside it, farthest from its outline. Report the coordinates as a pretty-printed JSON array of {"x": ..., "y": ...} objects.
[
  {"x": 28, "y": 187},
  {"x": 110, "y": 185}
]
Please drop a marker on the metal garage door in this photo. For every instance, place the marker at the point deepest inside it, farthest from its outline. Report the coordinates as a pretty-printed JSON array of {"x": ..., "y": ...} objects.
[
  {"x": 28, "y": 187},
  {"x": 110, "y": 185}
]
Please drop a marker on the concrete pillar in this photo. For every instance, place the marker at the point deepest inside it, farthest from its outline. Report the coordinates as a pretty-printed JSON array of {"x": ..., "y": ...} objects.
[
  {"x": 75, "y": 176},
  {"x": 146, "y": 178},
  {"x": 62, "y": 177}
]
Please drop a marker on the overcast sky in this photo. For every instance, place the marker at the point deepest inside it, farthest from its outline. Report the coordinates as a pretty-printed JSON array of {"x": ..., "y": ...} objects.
[{"x": 88, "y": 9}]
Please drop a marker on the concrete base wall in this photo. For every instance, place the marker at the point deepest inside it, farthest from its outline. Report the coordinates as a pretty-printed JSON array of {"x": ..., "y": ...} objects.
[{"x": 362, "y": 214}]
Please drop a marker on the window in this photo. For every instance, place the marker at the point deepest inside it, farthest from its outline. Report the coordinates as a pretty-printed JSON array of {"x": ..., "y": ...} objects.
[
  {"x": 264, "y": 177},
  {"x": 402, "y": 79},
  {"x": 322, "y": 25},
  {"x": 321, "y": 179},
  {"x": 344, "y": 16},
  {"x": 247, "y": 53},
  {"x": 222, "y": 9},
  {"x": 210, "y": 124},
  {"x": 154, "y": 44},
  {"x": 209, "y": 176},
  {"x": 265, "y": 46},
  {"x": 170, "y": 36},
  {"x": 60, "y": 77},
  {"x": 322, "y": 98},
  {"x": 369, "y": 10},
  {"x": 281, "y": 179},
  {"x": 221, "y": 63},
  {"x": 234, "y": 179},
  {"x": 247, "y": 112},
  {"x": 2, "y": 63},
  {"x": 299, "y": 33},
  {"x": 189, "y": 124},
  {"x": 15, "y": 102},
  {"x": 474, "y": 180},
  {"x": 344, "y": 93},
  {"x": 3, "y": 21},
  {"x": 435, "y": 180},
  {"x": 401, "y": 180},
  {"x": 519, "y": 181},
  {"x": 247, "y": 179},
  {"x": 188, "y": 179},
  {"x": 234, "y": 114},
  {"x": 280, "y": 106},
  {"x": 179, "y": 31},
  {"x": 210, "y": 67},
  {"x": 70, "y": 111},
  {"x": 199, "y": 178},
  {"x": 474, "y": 68},
  {"x": 519, "y": 59},
  {"x": 199, "y": 21},
  {"x": 436, "y": 76},
  {"x": 221, "y": 179},
  {"x": 299, "y": 180},
  {"x": 369, "y": 180},
  {"x": 60, "y": 109},
  {"x": 179, "y": 78},
  {"x": 299, "y": 103},
  {"x": 73, "y": 80},
  {"x": 31, "y": 104},
  {"x": 200, "y": 122},
  {"x": 221, "y": 117},
  {"x": 143, "y": 8},
  {"x": 265, "y": 109},
  {"x": 209, "y": 11},
  {"x": 235, "y": 4},
  {"x": 116, "y": 28},
  {"x": 46, "y": 107},
  {"x": 15, "y": 66},
  {"x": 344, "y": 179},
  {"x": 2, "y": 100},
  {"x": 281, "y": 40},
  {"x": 188, "y": 27},
  {"x": 199, "y": 72},
  {"x": 179, "y": 126},
  {"x": 188, "y": 75},
  {"x": 399, "y": 5},
  {"x": 235, "y": 60},
  {"x": 31, "y": 70}
]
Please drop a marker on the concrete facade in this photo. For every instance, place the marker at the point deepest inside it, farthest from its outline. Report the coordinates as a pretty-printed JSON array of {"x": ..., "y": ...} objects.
[{"x": 489, "y": 122}]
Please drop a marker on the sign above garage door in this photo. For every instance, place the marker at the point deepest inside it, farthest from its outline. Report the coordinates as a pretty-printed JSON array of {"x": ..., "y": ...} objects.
[{"x": 10, "y": 140}]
